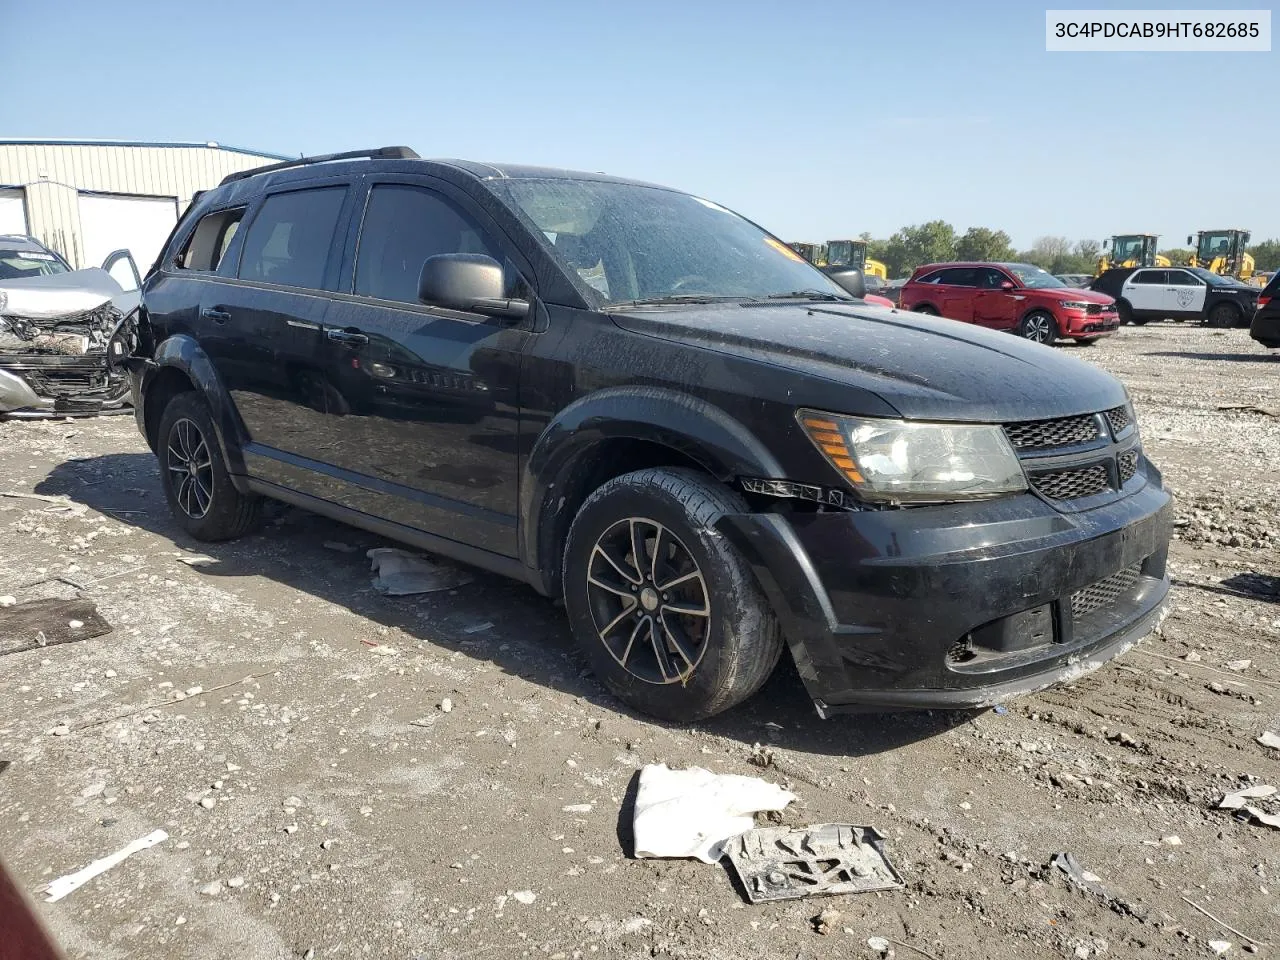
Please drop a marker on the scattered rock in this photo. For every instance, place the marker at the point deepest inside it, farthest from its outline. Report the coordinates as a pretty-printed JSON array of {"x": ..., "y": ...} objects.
[
  {"x": 1239, "y": 665},
  {"x": 211, "y": 889},
  {"x": 1220, "y": 947},
  {"x": 235, "y": 883},
  {"x": 208, "y": 803},
  {"x": 8, "y": 601},
  {"x": 446, "y": 705},
  {"x": 827, "y": 921},
  {"x": 1192, "y": 657},
  {"x": 577, "y": 808},
  {"x": 61, "y": 730},
  {"x": 1172, "y": 840},
  {"x": 1270, "y": 739},
  {"x": 880, "y": 945},
  {"x": 524, "y": 896}
]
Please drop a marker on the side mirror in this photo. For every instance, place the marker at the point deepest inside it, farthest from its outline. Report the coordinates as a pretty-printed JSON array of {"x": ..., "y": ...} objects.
[
  {"x": 1006, "y": 285},
  {"x": 850, "y": 278},
  {"x": 1190, "y": 241},
  {"x": 468, "y": 281},
  {"x": 1106, "y": 244}
]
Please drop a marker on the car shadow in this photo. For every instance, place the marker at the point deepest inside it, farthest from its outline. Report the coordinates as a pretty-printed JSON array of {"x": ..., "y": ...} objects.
[
  {"x": 1232, "y": 357},
  {"x": 493, "y": 619}
]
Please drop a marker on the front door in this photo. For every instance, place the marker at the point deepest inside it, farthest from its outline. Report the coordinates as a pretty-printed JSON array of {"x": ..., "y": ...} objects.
[
  {"x": 430, "y": 394},
  {"x": 994, "y": 306},
  {"x": 1184, "y": 295}
]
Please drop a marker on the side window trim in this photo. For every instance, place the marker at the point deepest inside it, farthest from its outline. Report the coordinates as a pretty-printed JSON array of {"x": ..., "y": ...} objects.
[{"x": 333, "y": 258}]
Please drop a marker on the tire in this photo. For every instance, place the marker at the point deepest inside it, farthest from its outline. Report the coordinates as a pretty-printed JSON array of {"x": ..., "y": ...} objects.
[
  {"x": 1039, "y": 326},
  {"x": 194, "y": 476},
  {"x": 682, "y": 664},
  {"x": 1224, "y": 315},
  {"x": 1140, "y": 321},
  {"x": 925, "y": 309},
  {"x": 1126, "y": 313},
  {"x": 1087, "y": 341}
]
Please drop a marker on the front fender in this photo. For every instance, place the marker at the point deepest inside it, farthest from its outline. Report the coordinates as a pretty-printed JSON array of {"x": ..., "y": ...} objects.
[
  {"x": 701, "y": 431},
  {"x": 184, "y": 353}
]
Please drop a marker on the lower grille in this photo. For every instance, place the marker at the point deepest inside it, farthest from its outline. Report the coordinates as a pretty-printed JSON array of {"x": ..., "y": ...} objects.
[
  {"x": 1105, "y": 592},
  {"x": 1128, "y": 463},
  {"x": 1072, "y": 484}
]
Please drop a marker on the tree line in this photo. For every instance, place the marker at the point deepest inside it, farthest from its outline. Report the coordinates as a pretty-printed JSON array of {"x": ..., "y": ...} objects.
[{"x": 938, "y": 241}]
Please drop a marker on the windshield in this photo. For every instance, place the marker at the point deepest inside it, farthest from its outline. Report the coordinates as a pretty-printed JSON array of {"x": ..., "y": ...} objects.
[
  {"x": 629, "y": 243},
  {"x": 1214, "y": 245},
  {"x": 1213, "y": 279},
  {"x": 1034, "y": 277},
  {"x": 1128, "y": 248},
  {"x": 16, "y": 264}
]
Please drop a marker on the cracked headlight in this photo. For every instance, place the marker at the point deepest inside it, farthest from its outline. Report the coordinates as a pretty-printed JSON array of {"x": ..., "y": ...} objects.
[{"x": 898, "y": 460}]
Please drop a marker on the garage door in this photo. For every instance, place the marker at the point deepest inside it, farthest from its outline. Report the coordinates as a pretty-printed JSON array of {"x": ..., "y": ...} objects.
[
  {"x": 110, "y": 222},
  {"x": 13, "y": 211}
]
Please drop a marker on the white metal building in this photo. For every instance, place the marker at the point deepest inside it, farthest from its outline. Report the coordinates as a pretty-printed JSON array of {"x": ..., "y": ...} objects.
[{"x": 87, "y": 198}]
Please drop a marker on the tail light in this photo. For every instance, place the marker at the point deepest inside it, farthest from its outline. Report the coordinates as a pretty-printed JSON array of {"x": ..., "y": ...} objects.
[{"x": 1263, "y": 301}]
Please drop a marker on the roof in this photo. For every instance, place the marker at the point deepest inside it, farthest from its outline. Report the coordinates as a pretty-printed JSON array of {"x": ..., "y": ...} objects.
[
  {"x": 20, "y": 241},
  {"x": 206, "y": 145}
]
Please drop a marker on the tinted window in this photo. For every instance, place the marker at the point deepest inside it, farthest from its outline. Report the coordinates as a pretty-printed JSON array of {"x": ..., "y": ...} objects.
[
  {"x": 958, "y": 277},
  {"x": 934, "y": 277},
  {"x": 1150, "y": 276},
  {"x": 990, "y": 279},
  {"x": 289, "y": 240},
  {"x": 1180, "y": 278},
  {"x": 403, "y": 226}
]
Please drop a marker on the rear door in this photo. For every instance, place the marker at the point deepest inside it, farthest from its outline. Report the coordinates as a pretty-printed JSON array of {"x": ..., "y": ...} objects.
[
  {"x": 994, "y": 306},
  {"x": 261, "y": 320},
  {"x": 957, "y": 289},
  {"x": 1184, "y": 295},
  {"x": 430, "y": 399},
  {"x": 1145, "y": 291}
]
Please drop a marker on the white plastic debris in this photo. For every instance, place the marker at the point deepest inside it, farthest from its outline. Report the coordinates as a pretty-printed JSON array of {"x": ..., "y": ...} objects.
[
  {"x": 73, "y": 881},
  {"x": 1220, "y": 946},
  {"x": 1237, "y": 800},
  {"x": 577, "y": 808},
  {"x": 1270, "y": 739},
  {"x": 8, "y": 601},
  {"x": 401, "y": 574},
  {"x": 1266, "y": 819},
  {"x": 1239, "y": 665},
  {"x": 691, "y": 813},
  {"x": 524, "y": 896},
  {"x": 196, "y": 560},
  {"x": 879, "y": 944}
]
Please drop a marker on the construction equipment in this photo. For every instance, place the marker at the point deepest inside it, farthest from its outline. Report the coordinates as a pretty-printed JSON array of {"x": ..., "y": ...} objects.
[
  {"x": 1131, "y": 250},
  {"x": 1223, "y": 252},
  {"x": 853, "y": 253},
  {"x": 815, "y": 253}
]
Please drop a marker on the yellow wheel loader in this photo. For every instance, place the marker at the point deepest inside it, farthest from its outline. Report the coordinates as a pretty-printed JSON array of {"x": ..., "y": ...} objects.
[{"x": 1131, "y": 250}]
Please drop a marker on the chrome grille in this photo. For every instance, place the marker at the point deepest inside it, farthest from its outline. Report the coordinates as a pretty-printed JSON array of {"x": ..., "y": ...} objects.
[
  {"x": 1045, "y": 434},
  {"x": 1095, "y": 308},
  {"x": 1105, "y": 592},
  {"x": 1073, "y": 483},
  {"x": 1128, "y": 462},
  {"x": 1120, "y": 420}
]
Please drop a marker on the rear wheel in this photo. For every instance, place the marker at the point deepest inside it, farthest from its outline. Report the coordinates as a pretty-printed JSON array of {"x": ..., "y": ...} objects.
[
  {"x": 1039, "y": 327},
  {"x": 194, "y": 476},
  {"x": 667, "y": 611},
  {"x": 1224, "y": 315},
  {"x": 927, "y": 310}
]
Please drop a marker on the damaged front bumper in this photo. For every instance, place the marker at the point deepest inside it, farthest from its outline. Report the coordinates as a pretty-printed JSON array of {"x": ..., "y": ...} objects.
[
  {"x": 62, "y": 350},
  {"x": 959, "y": 606}
]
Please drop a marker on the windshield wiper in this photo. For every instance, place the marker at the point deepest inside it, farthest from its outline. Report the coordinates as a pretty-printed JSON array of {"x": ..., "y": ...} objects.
[
  {"x": 810, "y": 295},
  {"x": 677, "y": 298}
]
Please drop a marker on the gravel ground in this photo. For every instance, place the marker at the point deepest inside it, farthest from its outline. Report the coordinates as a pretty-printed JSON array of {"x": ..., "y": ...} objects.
[{"x": 326, "y": 797}]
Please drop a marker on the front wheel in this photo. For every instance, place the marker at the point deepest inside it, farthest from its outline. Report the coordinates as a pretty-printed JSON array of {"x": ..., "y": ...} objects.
[
  {"x": 1039, "y": 327},
  {"x": 667, "y": 611},
  {"x": 194, "y": 476}
]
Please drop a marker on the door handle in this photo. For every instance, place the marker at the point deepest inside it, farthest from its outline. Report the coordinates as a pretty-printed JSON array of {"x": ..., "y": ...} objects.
[
  {"x": 354, "y": 337},
  {"x": 214, "y": 314}
]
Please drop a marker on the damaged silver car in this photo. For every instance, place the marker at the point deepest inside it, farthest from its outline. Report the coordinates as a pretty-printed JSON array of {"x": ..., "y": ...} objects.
[{"x": 64, "y": 334}]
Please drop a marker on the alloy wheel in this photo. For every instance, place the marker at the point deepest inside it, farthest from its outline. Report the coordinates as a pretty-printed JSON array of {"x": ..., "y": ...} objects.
[
  {"x": 649, "y": 601},
  {"x": 190, "y": 466},
  {"x": 1036, "y": 328}
]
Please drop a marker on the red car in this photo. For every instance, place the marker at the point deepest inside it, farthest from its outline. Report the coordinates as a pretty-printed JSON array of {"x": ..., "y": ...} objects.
[{"x": 1017, "y": 297}]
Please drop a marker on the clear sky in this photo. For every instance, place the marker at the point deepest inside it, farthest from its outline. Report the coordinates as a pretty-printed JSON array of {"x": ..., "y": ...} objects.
[{"x": 819, "y": 120}]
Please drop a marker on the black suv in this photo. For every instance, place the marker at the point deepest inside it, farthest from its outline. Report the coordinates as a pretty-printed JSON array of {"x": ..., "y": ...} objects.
[
  {"x": 635, "y": 399},
  {"x": 1265, "y": 327}
]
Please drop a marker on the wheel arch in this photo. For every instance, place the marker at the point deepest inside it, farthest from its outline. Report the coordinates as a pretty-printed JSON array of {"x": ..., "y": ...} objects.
[
  {"x": 180, "y": 365},
  {"x": 612, "y": 432}
]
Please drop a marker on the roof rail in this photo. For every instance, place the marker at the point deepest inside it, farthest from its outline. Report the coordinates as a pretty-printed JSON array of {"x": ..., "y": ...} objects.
[{"x": 377, "y": 153}]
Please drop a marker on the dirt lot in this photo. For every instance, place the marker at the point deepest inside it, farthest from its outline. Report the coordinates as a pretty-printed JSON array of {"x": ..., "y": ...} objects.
[{"x": 329, "y": 807}]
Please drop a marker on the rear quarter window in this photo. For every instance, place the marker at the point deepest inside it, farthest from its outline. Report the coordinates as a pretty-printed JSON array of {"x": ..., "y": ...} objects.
[{"x": 208, "y": 243}]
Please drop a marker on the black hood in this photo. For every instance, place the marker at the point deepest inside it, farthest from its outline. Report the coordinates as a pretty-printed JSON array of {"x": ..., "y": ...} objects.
[{"x": 926, "y": 368}]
